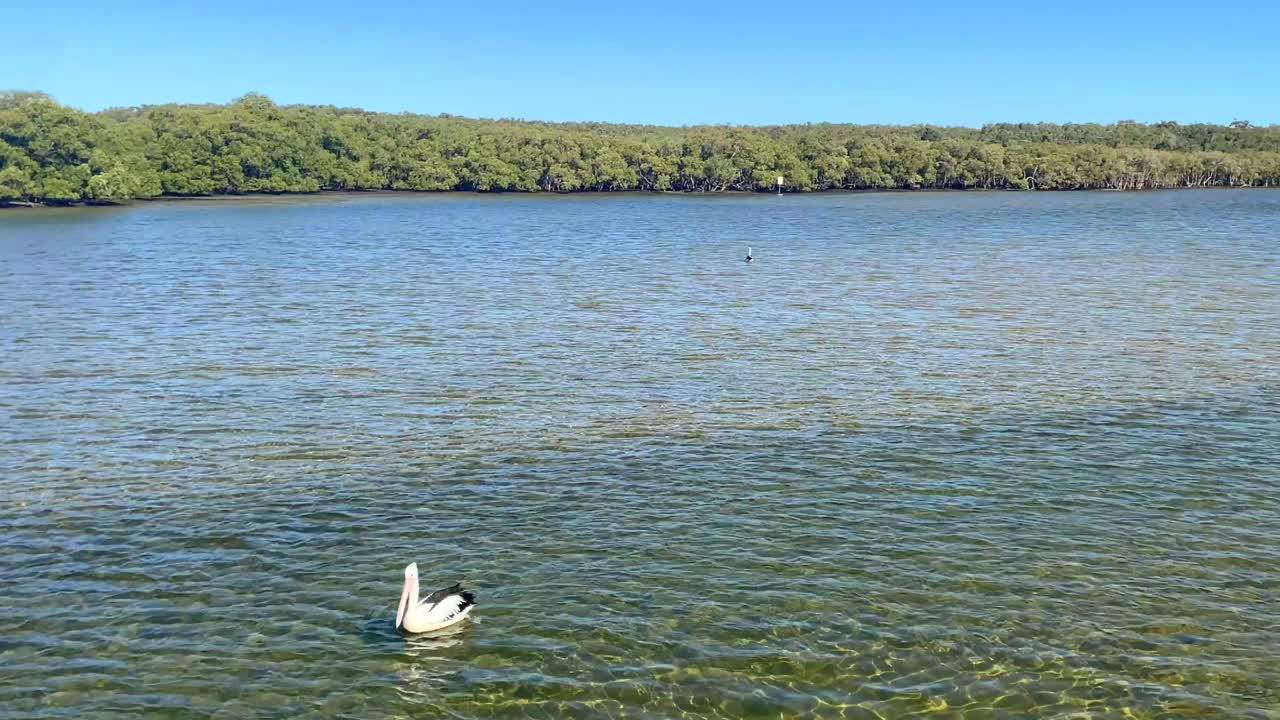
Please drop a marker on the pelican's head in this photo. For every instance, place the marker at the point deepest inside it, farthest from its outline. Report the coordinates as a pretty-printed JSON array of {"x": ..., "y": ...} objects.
[{"x": 409, "y": 593}]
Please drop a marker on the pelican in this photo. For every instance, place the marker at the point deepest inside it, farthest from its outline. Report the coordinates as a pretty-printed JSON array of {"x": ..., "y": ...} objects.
[
  {"x": 436, "y": 611},
  {"x": 749, "y": 258}
]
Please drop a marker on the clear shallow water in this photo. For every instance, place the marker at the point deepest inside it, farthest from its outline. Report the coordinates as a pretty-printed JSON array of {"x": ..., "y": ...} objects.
[{"x": 973, "y": 455}]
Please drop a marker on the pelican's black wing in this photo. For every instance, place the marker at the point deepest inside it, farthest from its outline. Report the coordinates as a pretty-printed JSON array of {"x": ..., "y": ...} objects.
[{"x": 468, "y": 599}]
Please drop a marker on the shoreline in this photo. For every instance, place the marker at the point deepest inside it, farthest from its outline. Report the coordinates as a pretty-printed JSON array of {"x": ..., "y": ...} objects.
[
  {"x": 254, "y": 146},
  {"x": 28, "y": 205}
]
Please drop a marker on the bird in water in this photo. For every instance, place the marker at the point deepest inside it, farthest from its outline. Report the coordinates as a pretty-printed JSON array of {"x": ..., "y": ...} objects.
[
  {"x": 749, "y": 258},
  {"x": 436, "y": 611}
]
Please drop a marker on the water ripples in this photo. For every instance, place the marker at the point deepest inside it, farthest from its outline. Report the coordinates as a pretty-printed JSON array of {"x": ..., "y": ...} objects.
[{"x": 970, "y": 455}]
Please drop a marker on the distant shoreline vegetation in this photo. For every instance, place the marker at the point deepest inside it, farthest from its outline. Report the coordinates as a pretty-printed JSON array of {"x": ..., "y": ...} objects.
[{"x": 55, "y": 155}]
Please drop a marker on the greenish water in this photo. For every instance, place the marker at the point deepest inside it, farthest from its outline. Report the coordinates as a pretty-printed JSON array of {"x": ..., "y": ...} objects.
[{"x": 963, "y": 455}]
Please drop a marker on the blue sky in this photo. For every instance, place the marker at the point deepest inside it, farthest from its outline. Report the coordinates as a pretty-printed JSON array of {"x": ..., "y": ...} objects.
[{"x": 671, "y": 63}]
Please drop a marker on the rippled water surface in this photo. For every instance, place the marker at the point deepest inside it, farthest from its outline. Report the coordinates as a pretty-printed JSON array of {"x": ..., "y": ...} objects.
[{"x": 968, "y": 455}]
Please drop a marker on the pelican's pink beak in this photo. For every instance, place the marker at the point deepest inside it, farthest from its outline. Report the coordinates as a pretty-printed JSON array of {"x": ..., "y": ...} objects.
[{"x": 404, "y": 603}]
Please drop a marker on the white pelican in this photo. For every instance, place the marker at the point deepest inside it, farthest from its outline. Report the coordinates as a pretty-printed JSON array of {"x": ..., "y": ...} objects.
[
  {"x": 749, "y": 258},
  {"x": 436, "y": 611}
]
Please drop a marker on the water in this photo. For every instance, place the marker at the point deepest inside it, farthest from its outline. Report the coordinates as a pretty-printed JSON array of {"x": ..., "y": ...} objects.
[{"x": 967, "y": 455}]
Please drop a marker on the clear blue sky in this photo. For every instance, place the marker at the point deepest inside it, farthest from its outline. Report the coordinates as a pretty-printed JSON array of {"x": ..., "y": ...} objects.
[{"x": 950, "y": 63}]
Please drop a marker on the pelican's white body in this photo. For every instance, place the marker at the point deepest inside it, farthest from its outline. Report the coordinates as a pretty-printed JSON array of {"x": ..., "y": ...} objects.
[
  {"x": 439, "y": 610},
  {"x": 422, "y": 619}
]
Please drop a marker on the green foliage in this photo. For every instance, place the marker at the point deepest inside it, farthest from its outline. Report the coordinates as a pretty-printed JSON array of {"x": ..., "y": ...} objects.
[
  {"x": 15, "y": 184},
  {"x": 58, "y": 191},
  {"x": 119, "y": 184},
  {"x": 54, "y": 154}
]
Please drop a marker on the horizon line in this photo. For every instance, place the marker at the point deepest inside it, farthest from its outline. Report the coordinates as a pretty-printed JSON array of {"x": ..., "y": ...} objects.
[{"x": 719, "y": 124}]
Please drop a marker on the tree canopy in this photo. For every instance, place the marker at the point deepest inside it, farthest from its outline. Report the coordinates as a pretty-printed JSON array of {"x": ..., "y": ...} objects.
[{"x": 53, "y": 154}]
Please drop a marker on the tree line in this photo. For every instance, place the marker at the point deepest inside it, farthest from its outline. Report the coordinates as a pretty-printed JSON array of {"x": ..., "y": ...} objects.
[{"x": 53, "y": 154}]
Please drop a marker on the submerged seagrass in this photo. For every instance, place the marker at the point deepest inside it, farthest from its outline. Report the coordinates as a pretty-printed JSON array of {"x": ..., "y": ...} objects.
[{"x": 975, "y": 455}]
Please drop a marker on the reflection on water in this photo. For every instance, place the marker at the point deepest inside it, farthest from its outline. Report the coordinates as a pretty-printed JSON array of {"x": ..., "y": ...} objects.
[
  {"x": 423, "y": 645},
  {"x": 967, "y": 455},
  {"x": 421, "y": 659}
]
